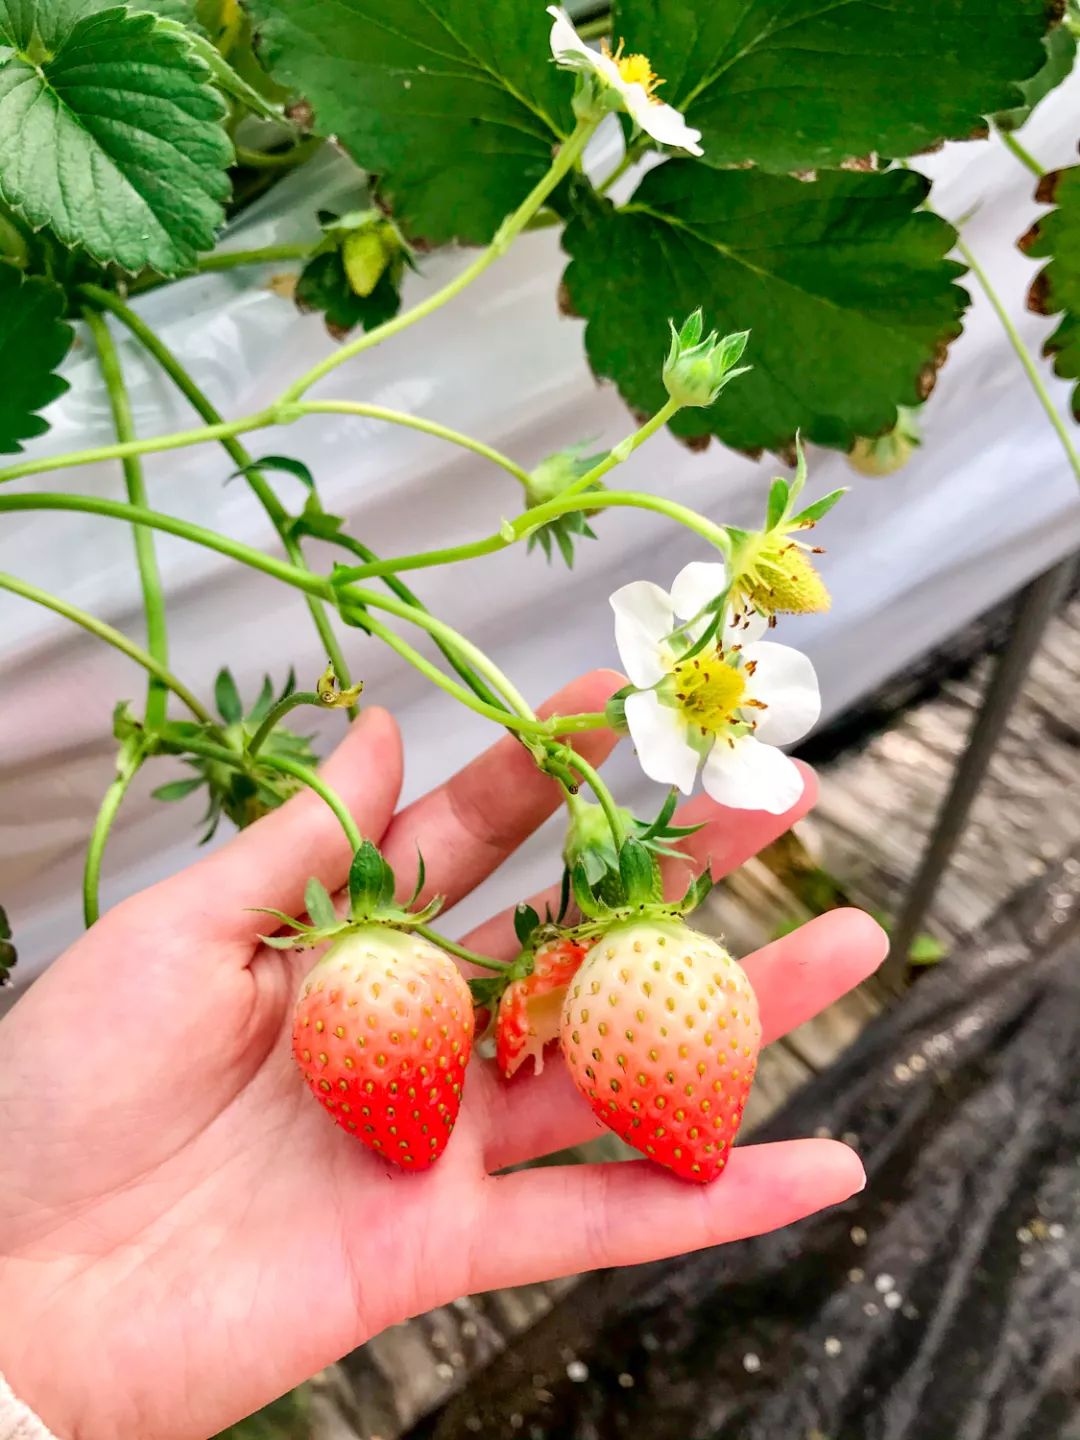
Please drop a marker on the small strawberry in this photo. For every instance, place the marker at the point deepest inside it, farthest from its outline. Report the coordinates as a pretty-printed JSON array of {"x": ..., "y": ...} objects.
[
  {"x": 531, "y": 1006},
  {"x": 661, "y": 1034},
  {"x": 382, "y": 1034}
]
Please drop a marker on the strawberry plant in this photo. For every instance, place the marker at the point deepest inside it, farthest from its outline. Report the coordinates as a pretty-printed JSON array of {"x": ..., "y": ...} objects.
[{"x": 762, "y": 266}]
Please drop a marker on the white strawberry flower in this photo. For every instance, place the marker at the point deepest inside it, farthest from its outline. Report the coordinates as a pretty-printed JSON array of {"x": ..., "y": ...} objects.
[
  {"x": 624, "y": 82},
  {"x": 729, "y": 706}
]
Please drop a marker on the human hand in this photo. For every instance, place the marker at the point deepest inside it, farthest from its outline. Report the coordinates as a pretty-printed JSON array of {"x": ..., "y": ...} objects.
[{"x": 184, "y": 1235}]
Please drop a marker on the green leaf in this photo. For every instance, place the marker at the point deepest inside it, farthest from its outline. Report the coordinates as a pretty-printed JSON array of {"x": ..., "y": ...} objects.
[
  {"x": 1060, "y": 48},
  {"x": 33, "y": 341},
  {"x": 224, "y": 76},
  {"x": 111, "y": 133},
  {"x": 808, "y": 83},
  {"x": 285, "y": 463},
  {"x": 324, "y": 286},
  {"x": 1056, "y": 288},
  {"x": 319, "y": 905},
  {"x": 486, "y": 989},
  {"x": 454, "y": 107},
  {"x": 227, "y": 698},
  {"x": 843, "y": 283},
  {"x": 176, "y": 789}
]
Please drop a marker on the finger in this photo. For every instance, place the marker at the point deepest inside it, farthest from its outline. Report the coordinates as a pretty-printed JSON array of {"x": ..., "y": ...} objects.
[
  {"x": 728, "y": 838},
  {"x": 540, "y": 1224},
  {"x": 793, "y": 978},
  {"x": 468, "y": 826},
  {"x": 269, "y": 863}
]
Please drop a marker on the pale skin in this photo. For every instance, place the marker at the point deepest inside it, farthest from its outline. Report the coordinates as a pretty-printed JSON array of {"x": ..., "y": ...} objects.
[{"x": 183, "y": 1233}]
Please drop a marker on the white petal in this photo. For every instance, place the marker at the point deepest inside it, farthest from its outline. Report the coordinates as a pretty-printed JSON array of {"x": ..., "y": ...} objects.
[
  {"x": 744, "y": 628},
  {"x": 747, "y": 775},
  {"x": 567, "y": 46},
  {"x": 659, "y": 736},
  {"x": 643, "y": 616},
  {"x": 662, "y": 122},
  {"x": 695, "y": 585},
  {"x": 784, "y": 680}
]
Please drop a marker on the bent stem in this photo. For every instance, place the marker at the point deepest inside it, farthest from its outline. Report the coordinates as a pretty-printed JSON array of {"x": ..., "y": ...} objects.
[
  {"x": 1023, "y": 354},
  {"x": 278, "y": 712},
  {"x": 569, "y": 154},
  {"x": 157, "y": 635},
  {"x": 241, "y": 457},
  {"x": 112, "y": 637},
  {"x": 99, "y": 835},
  {"x": 196, "y": 746},
  {"x": 453, "y": 948},
  {"x": 538, "y": 515},
  {"x": 588, "y": 772},
  {"x": 412, "y": 422}
]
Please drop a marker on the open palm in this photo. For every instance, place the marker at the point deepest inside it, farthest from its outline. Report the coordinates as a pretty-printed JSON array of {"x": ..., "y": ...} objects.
[{"x": 184, "y": 1235}]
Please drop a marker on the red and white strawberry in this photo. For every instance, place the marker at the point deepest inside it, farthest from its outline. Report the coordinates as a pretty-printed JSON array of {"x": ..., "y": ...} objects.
[
  {"x": 382, "y": 1032},
  {"x": 661, "y": 1033},
  {"x": 530, "y": 1007}
]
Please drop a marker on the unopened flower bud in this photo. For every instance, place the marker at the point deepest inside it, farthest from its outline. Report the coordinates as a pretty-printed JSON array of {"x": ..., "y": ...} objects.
[{"x": 697, "y": 368}]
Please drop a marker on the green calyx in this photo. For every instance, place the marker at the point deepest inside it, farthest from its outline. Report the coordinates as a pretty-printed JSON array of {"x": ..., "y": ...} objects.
[
  {"x": 698, "y": 367},
  {"x": 371, "y": 902},
  {"x": 589, "y": 841},
  {"x": 635, "y": 892},
  {"x": 549, "y": 481},
  {"x": 241, "y": 786}
]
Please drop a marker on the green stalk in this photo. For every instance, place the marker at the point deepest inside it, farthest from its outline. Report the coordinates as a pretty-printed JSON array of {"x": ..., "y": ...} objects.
[
  {"x": 569, "y": 154},
  {"x": 607, "y": 801},
  {"x": 315, "y": 585},
  {"x": 111, "y": 637},
  {"x": 412, "y": 422},
  {"x": 402, "y": 591},
  {"x": 1024, "y": 156},
  {"x": 157, "y": 635},
  {"x": 453, "y": 948},
  {"x": 99, "y": 835},
  {"x": 279, "y": 159},
  {"x": 231, "y": 259},
  {"x": 459, "y": 692},
  {"x": 278, "y": 712},
  {"x": 241, "y": 457},
  {"x": 618, "y": 453},
  {"x": 152, "y": 445},
  {"x": 1023, "y": 354},
  {"x": 538, "y": 515}
]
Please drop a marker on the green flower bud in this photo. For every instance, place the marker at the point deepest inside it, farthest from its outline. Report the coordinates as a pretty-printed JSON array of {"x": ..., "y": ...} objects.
[{"x": 696, "y": 368}]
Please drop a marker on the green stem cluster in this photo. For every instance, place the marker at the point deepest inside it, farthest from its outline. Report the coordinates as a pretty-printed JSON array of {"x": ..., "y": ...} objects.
[{"x": 480, "y": 684}]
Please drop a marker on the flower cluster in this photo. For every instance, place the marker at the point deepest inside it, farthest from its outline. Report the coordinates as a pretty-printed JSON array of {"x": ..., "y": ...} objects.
[{"x": 724, "y": 706}]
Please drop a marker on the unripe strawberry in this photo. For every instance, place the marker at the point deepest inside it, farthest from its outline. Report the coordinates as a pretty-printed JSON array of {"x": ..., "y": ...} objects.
[
  {"x": 382, "y": 1033},
  {"x": 661, "y": 1034}
]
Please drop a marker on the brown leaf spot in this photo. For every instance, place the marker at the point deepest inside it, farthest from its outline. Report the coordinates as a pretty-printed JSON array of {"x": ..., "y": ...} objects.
[
  {"x": 1038, "y": 296},
  {"x": 1046, "y": 190}
]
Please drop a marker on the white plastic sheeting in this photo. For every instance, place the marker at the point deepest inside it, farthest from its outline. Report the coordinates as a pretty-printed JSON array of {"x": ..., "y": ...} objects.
[{"x": 986, "y": 503}]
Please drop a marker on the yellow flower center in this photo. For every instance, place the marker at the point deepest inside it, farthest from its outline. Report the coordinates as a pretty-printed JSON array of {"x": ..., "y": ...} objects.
[
  {"x": 709, "y": 691},
  {"x": 635, "y": 70}
]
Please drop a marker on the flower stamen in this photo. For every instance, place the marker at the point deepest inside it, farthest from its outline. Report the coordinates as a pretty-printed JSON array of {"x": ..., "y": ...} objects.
[
  {"x": 709, "y": 691},
  {"x": 634, "y": 69}
]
